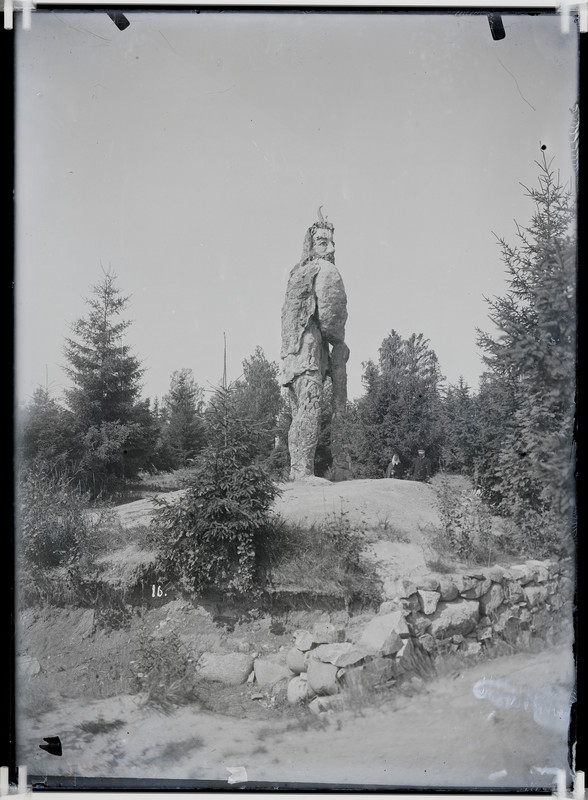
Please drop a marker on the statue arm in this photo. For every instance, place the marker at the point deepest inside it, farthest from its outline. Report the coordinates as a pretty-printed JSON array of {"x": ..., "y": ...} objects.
[{"x": 331, "y": 303}]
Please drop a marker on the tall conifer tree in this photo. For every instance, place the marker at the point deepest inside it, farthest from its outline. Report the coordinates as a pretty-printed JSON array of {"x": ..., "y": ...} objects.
[
  {"x": 532, "y": 363},
  {"x": 111, "y": 422}
]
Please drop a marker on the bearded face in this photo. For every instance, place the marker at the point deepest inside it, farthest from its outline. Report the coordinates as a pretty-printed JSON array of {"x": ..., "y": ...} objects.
[{"x": 323, "y": 245}]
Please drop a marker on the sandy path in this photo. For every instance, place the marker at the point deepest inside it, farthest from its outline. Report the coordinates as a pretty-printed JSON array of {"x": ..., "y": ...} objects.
[{"x": 443, "y": 735}]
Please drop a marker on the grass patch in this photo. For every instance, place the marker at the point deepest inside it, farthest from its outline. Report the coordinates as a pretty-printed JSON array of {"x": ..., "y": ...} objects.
[
  {"x": 98, "y": 726},
  {"x": 34, "y": 700},
  {"x": 466, "y": 533},
  {"x": 321, "y": 560},
  {"x": 149, "y": 483},
  {"x": 176, "y": 750}
]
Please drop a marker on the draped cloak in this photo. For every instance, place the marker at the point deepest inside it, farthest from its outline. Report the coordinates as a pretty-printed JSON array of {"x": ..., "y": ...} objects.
[{"x": 313, "y": 315}]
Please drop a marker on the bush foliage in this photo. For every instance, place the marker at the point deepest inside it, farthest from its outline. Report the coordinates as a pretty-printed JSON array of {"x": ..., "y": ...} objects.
[
  {"x": 55, "y": 526},
  {"x": 212, "y": 537}
]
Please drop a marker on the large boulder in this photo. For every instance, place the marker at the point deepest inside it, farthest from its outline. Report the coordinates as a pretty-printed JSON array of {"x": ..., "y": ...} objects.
[
  {"x": 447, "y": 588},
  {"x": 536, "y": 595},
  {"x": 327, "y": 633},
  {"x": 365, "y": 676},
  {"x": 322, "y": 677},
  {"x": 341, "y": 655},
  {"x": 398, "y": 587},
  {"x": 299, "y": 690},
  {"x": 419, "y": 624},
  {"x": 514, "y": 590},
  {"x": 523, "y": 573},
  {"x": 303, "y": 640},
  {"x": 230, "y": 668},
  {"x": 495, "y": 573},
  {"x": 492, "y": 600},
  {"x": 472, "y": 587},
  {"x": 296, "y": 660},
  {"x": 269, "y": 671},
  {"x": 382, "y": 635},
  {"x": 460, "y": 616},
  {"x": 428, "y": 600}
]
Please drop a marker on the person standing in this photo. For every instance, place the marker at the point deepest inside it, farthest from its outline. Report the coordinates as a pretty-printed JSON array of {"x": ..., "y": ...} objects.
[
  {"x": 393, "y": 466},
  {"x": 421, "y": 467}
]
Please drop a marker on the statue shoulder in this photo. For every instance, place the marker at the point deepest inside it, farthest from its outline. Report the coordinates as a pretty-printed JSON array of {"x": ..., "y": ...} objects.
[
  {"x": 328, "y": 279},
  {"x": 303, "y": 273}
]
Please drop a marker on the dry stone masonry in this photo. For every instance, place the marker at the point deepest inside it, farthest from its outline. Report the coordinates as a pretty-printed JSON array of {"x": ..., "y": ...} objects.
[
  {"x": 463, "y": 612},
  {"x": 418, "y": 623}
]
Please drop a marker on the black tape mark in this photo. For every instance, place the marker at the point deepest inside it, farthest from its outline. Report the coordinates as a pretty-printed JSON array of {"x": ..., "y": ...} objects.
[
  {"x": 119, "y": 20},
  {"x": 53, "y": 746},
  {"x": 496, "y": 27}
]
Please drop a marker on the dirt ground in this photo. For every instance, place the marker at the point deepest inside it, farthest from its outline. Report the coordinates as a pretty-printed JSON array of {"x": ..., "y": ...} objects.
[
  {"x": 443, "y": 735},
  {"x": 406, "y": 506},
  {"x": 499, "y": 723}
]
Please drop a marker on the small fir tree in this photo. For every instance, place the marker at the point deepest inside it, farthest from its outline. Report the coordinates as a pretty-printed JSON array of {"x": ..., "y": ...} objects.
[
  {"x": 183, "y": 430},
  {"x": 213, "y": 537}
]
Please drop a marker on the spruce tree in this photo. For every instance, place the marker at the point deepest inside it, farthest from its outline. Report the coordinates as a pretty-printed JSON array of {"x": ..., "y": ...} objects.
[
  {"x": 400, "y": 411},
  {"x": 110, "y": 421},
  {"x": 460, "y": 428},
  {"x": 532, "y": 364},
  {"x": 44, "y": 431},
  {"x": 183, "y": 431},
  {"x": 258, "y": 401}
]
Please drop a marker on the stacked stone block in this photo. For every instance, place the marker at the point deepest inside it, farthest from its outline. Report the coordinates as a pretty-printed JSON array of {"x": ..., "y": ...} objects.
[
  {"x": 418, "y": 622},
  {"x": 427, "y": 618}
]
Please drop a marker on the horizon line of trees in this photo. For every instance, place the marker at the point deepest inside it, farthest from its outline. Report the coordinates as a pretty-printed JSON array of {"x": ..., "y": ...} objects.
[{"x": 514, "y": 436}]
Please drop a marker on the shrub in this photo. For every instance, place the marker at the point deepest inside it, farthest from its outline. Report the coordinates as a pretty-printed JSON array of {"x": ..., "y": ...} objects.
[
  {"x": 60, "y": 534},
  {"x": 164, "y": 673},
  {"x": 322, "y": 559},
  {"x": 466, "y": 524},
  {"x": 57, "y": 523},
  {"x": 214, "y": 535}
]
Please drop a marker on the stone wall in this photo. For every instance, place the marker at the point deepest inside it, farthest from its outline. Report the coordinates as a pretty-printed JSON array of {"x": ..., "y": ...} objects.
[{"x": 465, "y": 612}]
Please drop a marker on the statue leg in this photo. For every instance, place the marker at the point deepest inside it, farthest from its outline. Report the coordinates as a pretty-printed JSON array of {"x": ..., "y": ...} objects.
[
  {"x": 305, "y": 404},
  {"x": 339, "y": 356}
]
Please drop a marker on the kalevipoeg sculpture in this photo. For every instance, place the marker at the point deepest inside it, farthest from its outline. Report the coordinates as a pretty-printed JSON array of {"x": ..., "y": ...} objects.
[{"x": 313, "y": 344}]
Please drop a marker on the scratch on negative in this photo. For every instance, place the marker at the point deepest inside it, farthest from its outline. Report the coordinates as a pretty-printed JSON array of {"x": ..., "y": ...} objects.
[
  {"x": 168, "y": 41},
  {"x": 516, "y": 82},
  {"x": 80, "y": 30}
]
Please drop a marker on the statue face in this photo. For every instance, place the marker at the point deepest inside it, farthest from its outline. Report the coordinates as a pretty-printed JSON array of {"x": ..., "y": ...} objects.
[{"x": 322, "y": 242}]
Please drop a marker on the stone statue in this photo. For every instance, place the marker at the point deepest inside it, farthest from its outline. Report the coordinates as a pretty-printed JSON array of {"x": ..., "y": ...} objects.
[{"x": 313, "y": 343}]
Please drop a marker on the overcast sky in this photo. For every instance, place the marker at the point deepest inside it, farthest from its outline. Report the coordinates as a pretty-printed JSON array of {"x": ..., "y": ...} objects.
[{"x": 189, "y": 154}]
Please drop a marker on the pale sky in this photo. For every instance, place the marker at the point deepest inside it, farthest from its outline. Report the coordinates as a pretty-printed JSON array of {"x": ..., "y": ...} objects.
[{"x": 190, "y": 152}]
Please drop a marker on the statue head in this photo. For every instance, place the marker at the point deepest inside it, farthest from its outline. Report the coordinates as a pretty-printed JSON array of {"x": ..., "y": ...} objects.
[{"x": 318, "y": 242}]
